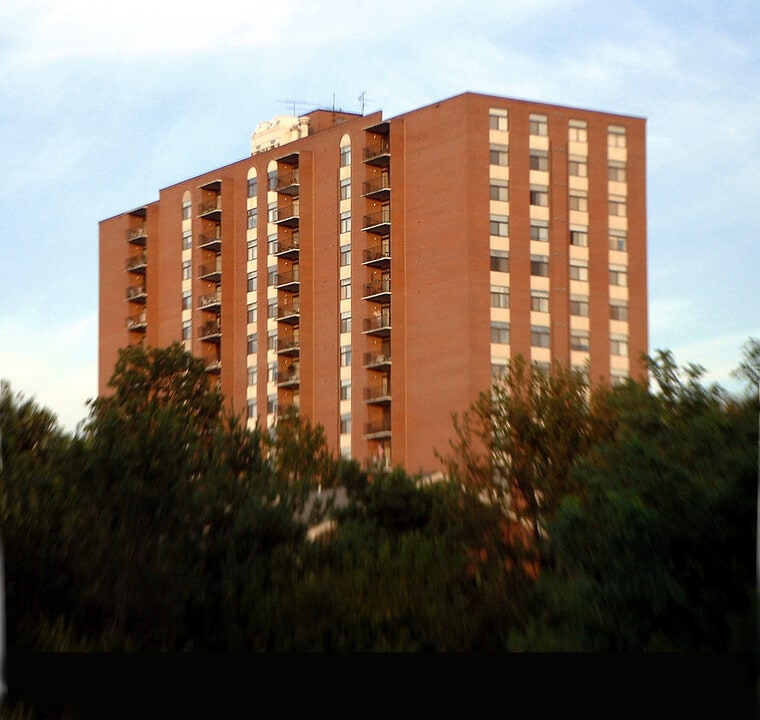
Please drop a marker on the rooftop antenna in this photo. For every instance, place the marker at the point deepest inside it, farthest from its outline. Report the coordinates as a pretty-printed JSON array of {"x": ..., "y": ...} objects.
[{"x": 361, "y": 100}]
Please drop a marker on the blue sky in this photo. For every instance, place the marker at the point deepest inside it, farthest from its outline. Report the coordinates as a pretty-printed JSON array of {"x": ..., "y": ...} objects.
[{"x": 103, "y": 104}]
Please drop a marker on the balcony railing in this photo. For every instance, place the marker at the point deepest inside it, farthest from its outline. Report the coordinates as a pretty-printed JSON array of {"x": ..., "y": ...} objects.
[
  {"x": 378, "y": 153},
  {"x": 378, "y": 393},
  {"x": 137, "y": 263},
  {"x": 378, "y": 222},
  {"x": 289, "y": 313},
  {"x": 137, "y": 235},
  {"x": 378, "y": 256},
  {"x": 378, "y": 325},
  {"x": 377, "y": 361},
  {"x": 377, "y": 188},
  {"x": 212, "y": 302},
  {"x": 289, "y": 280},
  {"x": 288, "y": 346},
  {"x": 378, "y": 290},
  {"x": 290, "y": 379},
  {"x": 375, "y": 430},
  {"x": 211, "y": 208},
  {"x": 210, "y": 332},
  {"x": 137, "y": 323},
  {"x": 287, "y": 182},
  {"x": 213, "y": 363},
  {"x": 211, "y": 271},
  {"x": 288, "y": 247},
  {"x": 287, "y": 214},
  {"x": 137, "y": 293},
  {"x": 210, "y": 242}
]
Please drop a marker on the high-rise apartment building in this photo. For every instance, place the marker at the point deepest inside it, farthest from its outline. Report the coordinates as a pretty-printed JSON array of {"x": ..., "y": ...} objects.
[{"x": 377, "y": 273}]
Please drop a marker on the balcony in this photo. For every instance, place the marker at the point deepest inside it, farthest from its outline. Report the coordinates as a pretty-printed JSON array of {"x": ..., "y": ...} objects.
[
  {"x": 377, "y": 361},
  {"x": 378, "y": 222},
  {"x": 291, "y": 378},
  {"x": 137, "y": 235},
  {"x": 137, "y": 263},
  {"x": 378, "y": 394},
  {"x": 287, "y": 183},
  {"x": 212, "y": 272},
  {"x": 288, "y": 247},
  {"x": 287, "y": 215},
  {"x": 212, "y": 302},
  {"x": 377, "y": 430},
  {"x": 289, "y": 346},
  {"x": 378, "y": 290},
  {"x": 210, "y": 242},
  {"x": 210, "y": 332},
  {"x": 379, "y": 325},
  {"x": 378, "y": 188},
  {"x": 213, "y": 364},
  {"x": 137, "y": 323},
  {"x": 378, "y": 256},
  {"x": 289, "y": 313},
  {"x": 211, "y": 209},
  {"x": 378, "y": 153},
  {"x": 137, "y": 293},
  {"x": 289, "y": 281}
]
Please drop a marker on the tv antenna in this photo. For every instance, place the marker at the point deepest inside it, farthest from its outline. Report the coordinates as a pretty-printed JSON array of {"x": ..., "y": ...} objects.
[{"x": 299, "y": 105}]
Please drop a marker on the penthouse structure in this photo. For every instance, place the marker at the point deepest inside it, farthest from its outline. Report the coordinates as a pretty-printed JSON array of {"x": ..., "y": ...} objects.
[{"x": 378, "y": 273}]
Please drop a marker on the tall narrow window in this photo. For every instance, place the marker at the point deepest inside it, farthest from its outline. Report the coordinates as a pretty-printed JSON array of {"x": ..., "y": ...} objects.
[
  {"x": 499, "y": 155},
  {"x": 498, "y": 119},
  {"x": 539, "y": 124},
  {"x": 499, "y": 261},
  {"x": 539, "y": 265}
]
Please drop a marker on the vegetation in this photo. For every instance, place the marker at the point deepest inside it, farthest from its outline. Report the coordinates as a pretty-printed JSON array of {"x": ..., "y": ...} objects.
[{"x": 572, "y": 518}]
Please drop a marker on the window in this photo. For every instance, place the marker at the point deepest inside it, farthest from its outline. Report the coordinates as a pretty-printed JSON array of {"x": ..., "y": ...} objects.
[
  {"x": 187, "y": 269},
  {"x": 251, "y": 409},
  {"x": 253, "y": 218},
  {"x": 345, "y": 355},
  {"x": 498, "y": 119},
  {"x": 272, "y": 212},
  {"x": 272, "y": 340},
  {"x": 577, "y": 166},
  {"x": 579, "y": 305},
  {"x": 252, "y": 308},
  {"x": 539, "y": 230},
  {"x": 187, "y": 209},
  {"x": 345, "y": 322},
  {"x": 500, "y": 333},
  {"x": 616, "y": 136},
  {"x": 253, "y": 343},
  {"x": 345, "y": 389},
  {"x": 618, "y": 377},
  {"x": 618, "y": 275},
  {"x": 618, "y": 240},
  {"x": 539, "y": 336},
  {"x": 345, "y": 156},
  {"x": 617, "y": 205},
  {"x": 578, "y": 200},
  {"x": 499, "y": 225},
  {"x": 579, "y": 340},
  {"x": 272, "y": 244},
  {"x": 187, "y": 239},
  {"x": 577, "y": 131},
  {"x": 252, "y": 282},
  {"x": 345, "y": 288},
  {"x": 271, "y": 404},
  {"x": 499, "y": 261},
  {"x": 272, "y": 372},
  {"x": 499, "y": 190},
  {"x": 499, "y": 154},
  {"x": 539, "y": 265},
  {"x": 253, "y": 187},
  {"x": 253, "y": 374},
  {"x": 345, "y": 255},
  {"x": 539, "y": 195},
  {"x": 579, "y": 270},
  {"x": 498, "y": 370},
  {"x": 539, "y": 124},
  {"x": 539, "y": 301},
  {"x": 499, "y": 296},
  {"x": 272, "y": 179},
  {"x": 345, "y": 424},
  {"x": 619, "y": 345},
  {"x": 272, "y": 275},
  {"x": 271, "y": 309},
  {"x": 616, "y": 171},
  {"x": 619, "y": 310},
  {"x": 252, "y": 250},
  {"x": 187, "y": 330},
  {"x": 345, "y": 222},
  {"x": 579, "y": 236},
  {"x": 187, "y": 300},
  {"x": 345, "y": 188},
  {"x": 539, "y": 160}
]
